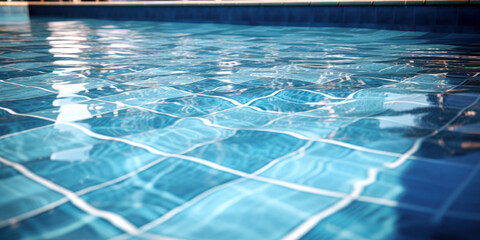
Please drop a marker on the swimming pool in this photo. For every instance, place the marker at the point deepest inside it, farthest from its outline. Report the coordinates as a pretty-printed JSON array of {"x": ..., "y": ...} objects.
[{"x": 145, "y": 130}]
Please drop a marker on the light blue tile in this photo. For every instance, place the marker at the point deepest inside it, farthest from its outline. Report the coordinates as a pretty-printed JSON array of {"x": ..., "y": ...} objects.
[
  {"x": 180, "y": 137},
  {"x": 327, "y": 166},
  {"x": 151, "y": 193},
  {"x": 59, "y": 137},
  {"x": 145, "y": 96},
  {"x": 246, "y": 210},
  {"x": 262, "y": 148},
  {"x": 64, "y": 222}
]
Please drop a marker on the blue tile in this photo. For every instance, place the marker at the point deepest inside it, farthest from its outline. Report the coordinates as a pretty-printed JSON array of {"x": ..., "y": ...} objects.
[
  {"x": 278, "y": 104},
  {"x": 109, "y": 90},
  {"x": 37, "y": 103},
  {"x": 74, "y": 223},
  {"x": 127, "y": 122},
  {"x": 244, "y": 206},
  {"x": 201, "y": 86},
  {"x": 12, "y": 124},
  {"x": 385, "y": 224},
  {"x": 279, "y": 83},
  {"x": 231, "y": 151},
  {"x": 157, "y": 190},
  {"x": 332, "y": 112},
  {"x": 56, "y": 138},
  {"x": 78, "y": 168},
  {"x": 25, "y": 196},
  {"x": 190, "y": 106},
  {"x": 241, "y": 93},
  {"x": 185, "y": 135}
]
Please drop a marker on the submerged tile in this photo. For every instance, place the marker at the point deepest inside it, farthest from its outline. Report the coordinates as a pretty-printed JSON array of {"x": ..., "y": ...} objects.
[
  {"x": 248, "y": 151},
  {"x": 247, "y": 209},
  {"x": 154, "y": 192},
  {"x": 63, "y": 222}
]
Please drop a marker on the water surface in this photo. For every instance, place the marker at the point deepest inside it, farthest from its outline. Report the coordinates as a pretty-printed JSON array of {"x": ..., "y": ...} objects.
[{"x": 202, "y": 131}]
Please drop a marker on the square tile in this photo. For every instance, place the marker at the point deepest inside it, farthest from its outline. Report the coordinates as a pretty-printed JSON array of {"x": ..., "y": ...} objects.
[{"x": 157, "y": 190}]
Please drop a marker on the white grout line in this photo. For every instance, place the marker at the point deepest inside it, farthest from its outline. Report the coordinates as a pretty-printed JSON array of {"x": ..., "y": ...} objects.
[
  {"x": 238, "y": 104},
  {"x": 219, "y": 167},
  {"x": 210, "y": 191},
  {"x": 16, "y": 219},
  {"x": 299, "y": 152},
  {"x": 311, "y": 222},
  {"x": 113, "y": 218},
  {"x": 93, "y": 115},
  {"x": 296, "y": 135},
  {"x": 280, "y": 182},
  {"x": 410, "y": 102},
  {"x": 44, "y": 89},
  {"x": 203, "y": 162},
  {"x": 207, "y": 122},
  {"x": 233, "y": 101},
  {"x": 25, "y": 131},
  {"x": 84, "y": 191},
  {"x": 138, "y": 107},
  {"x": 334, "y": 142},
  {"x": 323, "y": 94}
]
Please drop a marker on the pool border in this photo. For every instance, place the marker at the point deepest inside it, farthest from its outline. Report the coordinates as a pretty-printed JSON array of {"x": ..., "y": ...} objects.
[
  {"x": 450, "y": 16},
  {"x": 265, "y": 3}
]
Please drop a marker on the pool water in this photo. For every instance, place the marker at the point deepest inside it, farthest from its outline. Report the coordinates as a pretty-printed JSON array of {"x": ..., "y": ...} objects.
[{"x": 146, "y": 130}]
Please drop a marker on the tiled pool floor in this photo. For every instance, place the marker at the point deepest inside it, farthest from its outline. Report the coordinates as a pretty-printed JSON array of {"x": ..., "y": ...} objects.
[{"x": 146, "y": 130}]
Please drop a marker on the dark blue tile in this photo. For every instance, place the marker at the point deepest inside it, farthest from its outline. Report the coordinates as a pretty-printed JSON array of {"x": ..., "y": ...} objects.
[
  {"x": 468, "y": 16},
  {"x": 404, "y": 16},
  {"x": 351, "y": 15},
  {"x": 367, "y": 15},
  {"x": 424, "y": 16},
  {"x": 446, "y": 16},
  {"x": 385, "y": 15},
  {"x": 335, "y": 15},
  {"x": 320, "y": 14}
]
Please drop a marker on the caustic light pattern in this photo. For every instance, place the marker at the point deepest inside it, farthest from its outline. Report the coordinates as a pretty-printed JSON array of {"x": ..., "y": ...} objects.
[{"x": 146, "y": 130}]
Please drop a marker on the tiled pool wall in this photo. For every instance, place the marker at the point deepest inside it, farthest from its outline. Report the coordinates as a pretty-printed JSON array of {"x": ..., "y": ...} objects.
[
  {"x": 460, "y": 18},
  {"x": 13, "y": 14}
]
